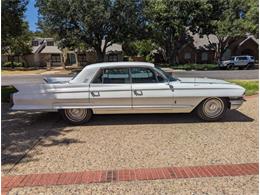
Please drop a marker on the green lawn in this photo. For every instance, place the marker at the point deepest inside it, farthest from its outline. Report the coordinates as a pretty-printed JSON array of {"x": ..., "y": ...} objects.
[{"x": 251, "y": 86}]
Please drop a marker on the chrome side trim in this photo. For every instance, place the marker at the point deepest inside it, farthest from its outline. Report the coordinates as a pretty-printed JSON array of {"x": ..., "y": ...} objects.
[
  {"x": 121, "y": 107},
  {"x": 204, "y": 88}
]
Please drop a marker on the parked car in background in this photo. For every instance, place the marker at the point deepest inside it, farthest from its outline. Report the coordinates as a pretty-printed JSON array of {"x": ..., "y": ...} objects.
[
  {"x": 242, "y": 62},
  {"x": 128, "y": 87}
]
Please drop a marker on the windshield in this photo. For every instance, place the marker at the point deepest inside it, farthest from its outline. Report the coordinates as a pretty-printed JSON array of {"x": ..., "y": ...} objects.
[{"x": 166, "y": 74}]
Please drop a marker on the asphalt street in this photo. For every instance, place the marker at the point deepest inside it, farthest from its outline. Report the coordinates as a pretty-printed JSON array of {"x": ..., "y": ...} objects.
[{"x": 222, "y": 74}]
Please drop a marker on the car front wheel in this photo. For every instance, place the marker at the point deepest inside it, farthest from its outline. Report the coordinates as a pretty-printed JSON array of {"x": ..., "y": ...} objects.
[
  {"x": 76, "y": 116},
  {"x": 212, "y": 109}
]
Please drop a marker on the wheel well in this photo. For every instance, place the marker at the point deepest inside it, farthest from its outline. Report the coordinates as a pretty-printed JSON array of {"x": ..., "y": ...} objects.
[
  {"x": 226, "y": 99},
  {"x": 59, "y": 110}
]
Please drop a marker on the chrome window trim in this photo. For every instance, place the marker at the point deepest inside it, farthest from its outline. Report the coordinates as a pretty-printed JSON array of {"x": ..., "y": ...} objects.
[
  {"x": 153, "y": 70},
  {"x": 130, "y": 74},
  {"x": 102, "y": 69}
]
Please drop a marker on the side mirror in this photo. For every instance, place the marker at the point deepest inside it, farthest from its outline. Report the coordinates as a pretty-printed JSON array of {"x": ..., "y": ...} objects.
[{"x": 171, "y": 86}]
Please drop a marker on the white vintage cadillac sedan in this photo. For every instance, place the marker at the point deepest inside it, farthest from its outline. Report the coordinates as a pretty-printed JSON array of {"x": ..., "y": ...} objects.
[{"x": 128, "y": 87}]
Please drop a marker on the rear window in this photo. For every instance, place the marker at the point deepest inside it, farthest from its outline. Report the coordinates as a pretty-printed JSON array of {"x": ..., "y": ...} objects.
[{"x": 113, "y": 75}]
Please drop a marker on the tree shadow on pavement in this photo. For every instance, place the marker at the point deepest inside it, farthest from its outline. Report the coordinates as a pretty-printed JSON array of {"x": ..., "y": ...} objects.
[{"x": 21, "y": 131}]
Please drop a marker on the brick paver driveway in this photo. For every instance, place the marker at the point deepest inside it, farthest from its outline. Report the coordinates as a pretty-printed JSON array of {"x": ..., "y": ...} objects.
[{"x": 173, "y": 153}]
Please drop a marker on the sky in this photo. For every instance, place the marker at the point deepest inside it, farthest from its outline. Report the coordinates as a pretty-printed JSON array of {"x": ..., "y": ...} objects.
[{"x": 31, "y": 15}]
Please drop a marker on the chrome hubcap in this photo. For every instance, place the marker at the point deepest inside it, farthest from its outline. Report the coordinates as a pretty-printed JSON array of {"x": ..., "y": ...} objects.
[
  {"x": 213, "y": 107},
  {"x": 76, "y": 114}
]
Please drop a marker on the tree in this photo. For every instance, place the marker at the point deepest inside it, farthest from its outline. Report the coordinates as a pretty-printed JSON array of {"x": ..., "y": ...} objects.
[
  {"x": 230, "y": 20},
  {"x": 15, "y": 31},
  {"x": 251, "y": 19},
  {"x": 139, "y": 47},
  {"x": 96, "y": 24},
  {"x": 170, "y": 20}
]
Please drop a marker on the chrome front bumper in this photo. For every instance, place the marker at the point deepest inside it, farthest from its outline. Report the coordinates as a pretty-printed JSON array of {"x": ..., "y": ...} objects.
[{"x": 236, "y": 102}]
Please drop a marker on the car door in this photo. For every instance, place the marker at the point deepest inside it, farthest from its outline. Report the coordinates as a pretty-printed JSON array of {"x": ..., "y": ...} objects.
[
  {"x": 244, "y": 60},
  {"x": 150, "y": 91},
  {"x": 241, "y": 61},
  {"x": 110, "y": 91}
]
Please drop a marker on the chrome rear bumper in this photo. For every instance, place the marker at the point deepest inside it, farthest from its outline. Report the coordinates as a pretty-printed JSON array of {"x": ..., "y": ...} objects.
[{"x": 236, "y": 102}]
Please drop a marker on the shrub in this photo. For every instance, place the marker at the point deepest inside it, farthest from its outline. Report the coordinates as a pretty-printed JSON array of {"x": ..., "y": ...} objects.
[
  {"x": 13, "y": 64},
  {"x": 196, "y": 66}
]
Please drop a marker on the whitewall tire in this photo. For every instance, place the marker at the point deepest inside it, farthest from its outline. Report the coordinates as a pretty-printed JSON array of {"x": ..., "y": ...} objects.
[
  {"x": 76, "y": 116},
  {"x": 212, "y": 109}
]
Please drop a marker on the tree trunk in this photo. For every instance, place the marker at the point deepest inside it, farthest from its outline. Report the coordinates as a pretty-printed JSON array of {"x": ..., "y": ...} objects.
[
  {"x": 170, "y": 52},
  {"x": 172, "y": 59},
  {"x": 171, "y": 56},
  {"x": 65, "y": 60},
  {"x": 100, "y": 56},
  {"x": 219, "y": 53},
  {"x": 12, "y": 61}
]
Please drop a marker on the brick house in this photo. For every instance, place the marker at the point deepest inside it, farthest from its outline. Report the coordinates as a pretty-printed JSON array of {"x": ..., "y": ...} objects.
[
  {"x": 114, "y": 53},
  {"x": 45, "y": 51},
  {"x": 200, "y": 51}
]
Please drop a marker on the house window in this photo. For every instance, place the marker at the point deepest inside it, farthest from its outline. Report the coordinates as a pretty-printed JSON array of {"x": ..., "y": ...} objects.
[
  {"x": 113, "y": 58},
  {"x": 82, "y": 58},
  {"x": 55, "y": 58},
  {"x": 50, "y": 43},
  {"x": 204, "y": 56},
  {"x": 35, "y": 43},
  {"x": 187, "y": 56}
]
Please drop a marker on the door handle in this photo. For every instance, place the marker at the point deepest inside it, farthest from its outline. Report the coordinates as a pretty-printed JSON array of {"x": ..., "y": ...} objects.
[
  {"x": 138, "y": 92},
  {"x": 171, "y": 87},
  {"x": 95, "y": 93}
]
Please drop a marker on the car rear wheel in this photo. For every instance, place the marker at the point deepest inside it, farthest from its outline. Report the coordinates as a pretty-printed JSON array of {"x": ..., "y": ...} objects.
[
  {"x": 230, "y": 66},
  {"x": 76, "y": 116},
  {"x": 250, "y": 66},
  {"x": 212, "y": 109}
]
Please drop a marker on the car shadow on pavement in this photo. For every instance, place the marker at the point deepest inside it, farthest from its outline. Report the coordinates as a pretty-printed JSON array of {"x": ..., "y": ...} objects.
[{"x": 169, "y": 118}]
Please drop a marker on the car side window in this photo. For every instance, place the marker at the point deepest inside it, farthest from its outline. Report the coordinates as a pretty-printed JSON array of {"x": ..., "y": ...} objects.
[
  {"x": 113, "y": 75},
  {"x": 242, "y": 58},
  {"x": 143, "y": 75}
]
